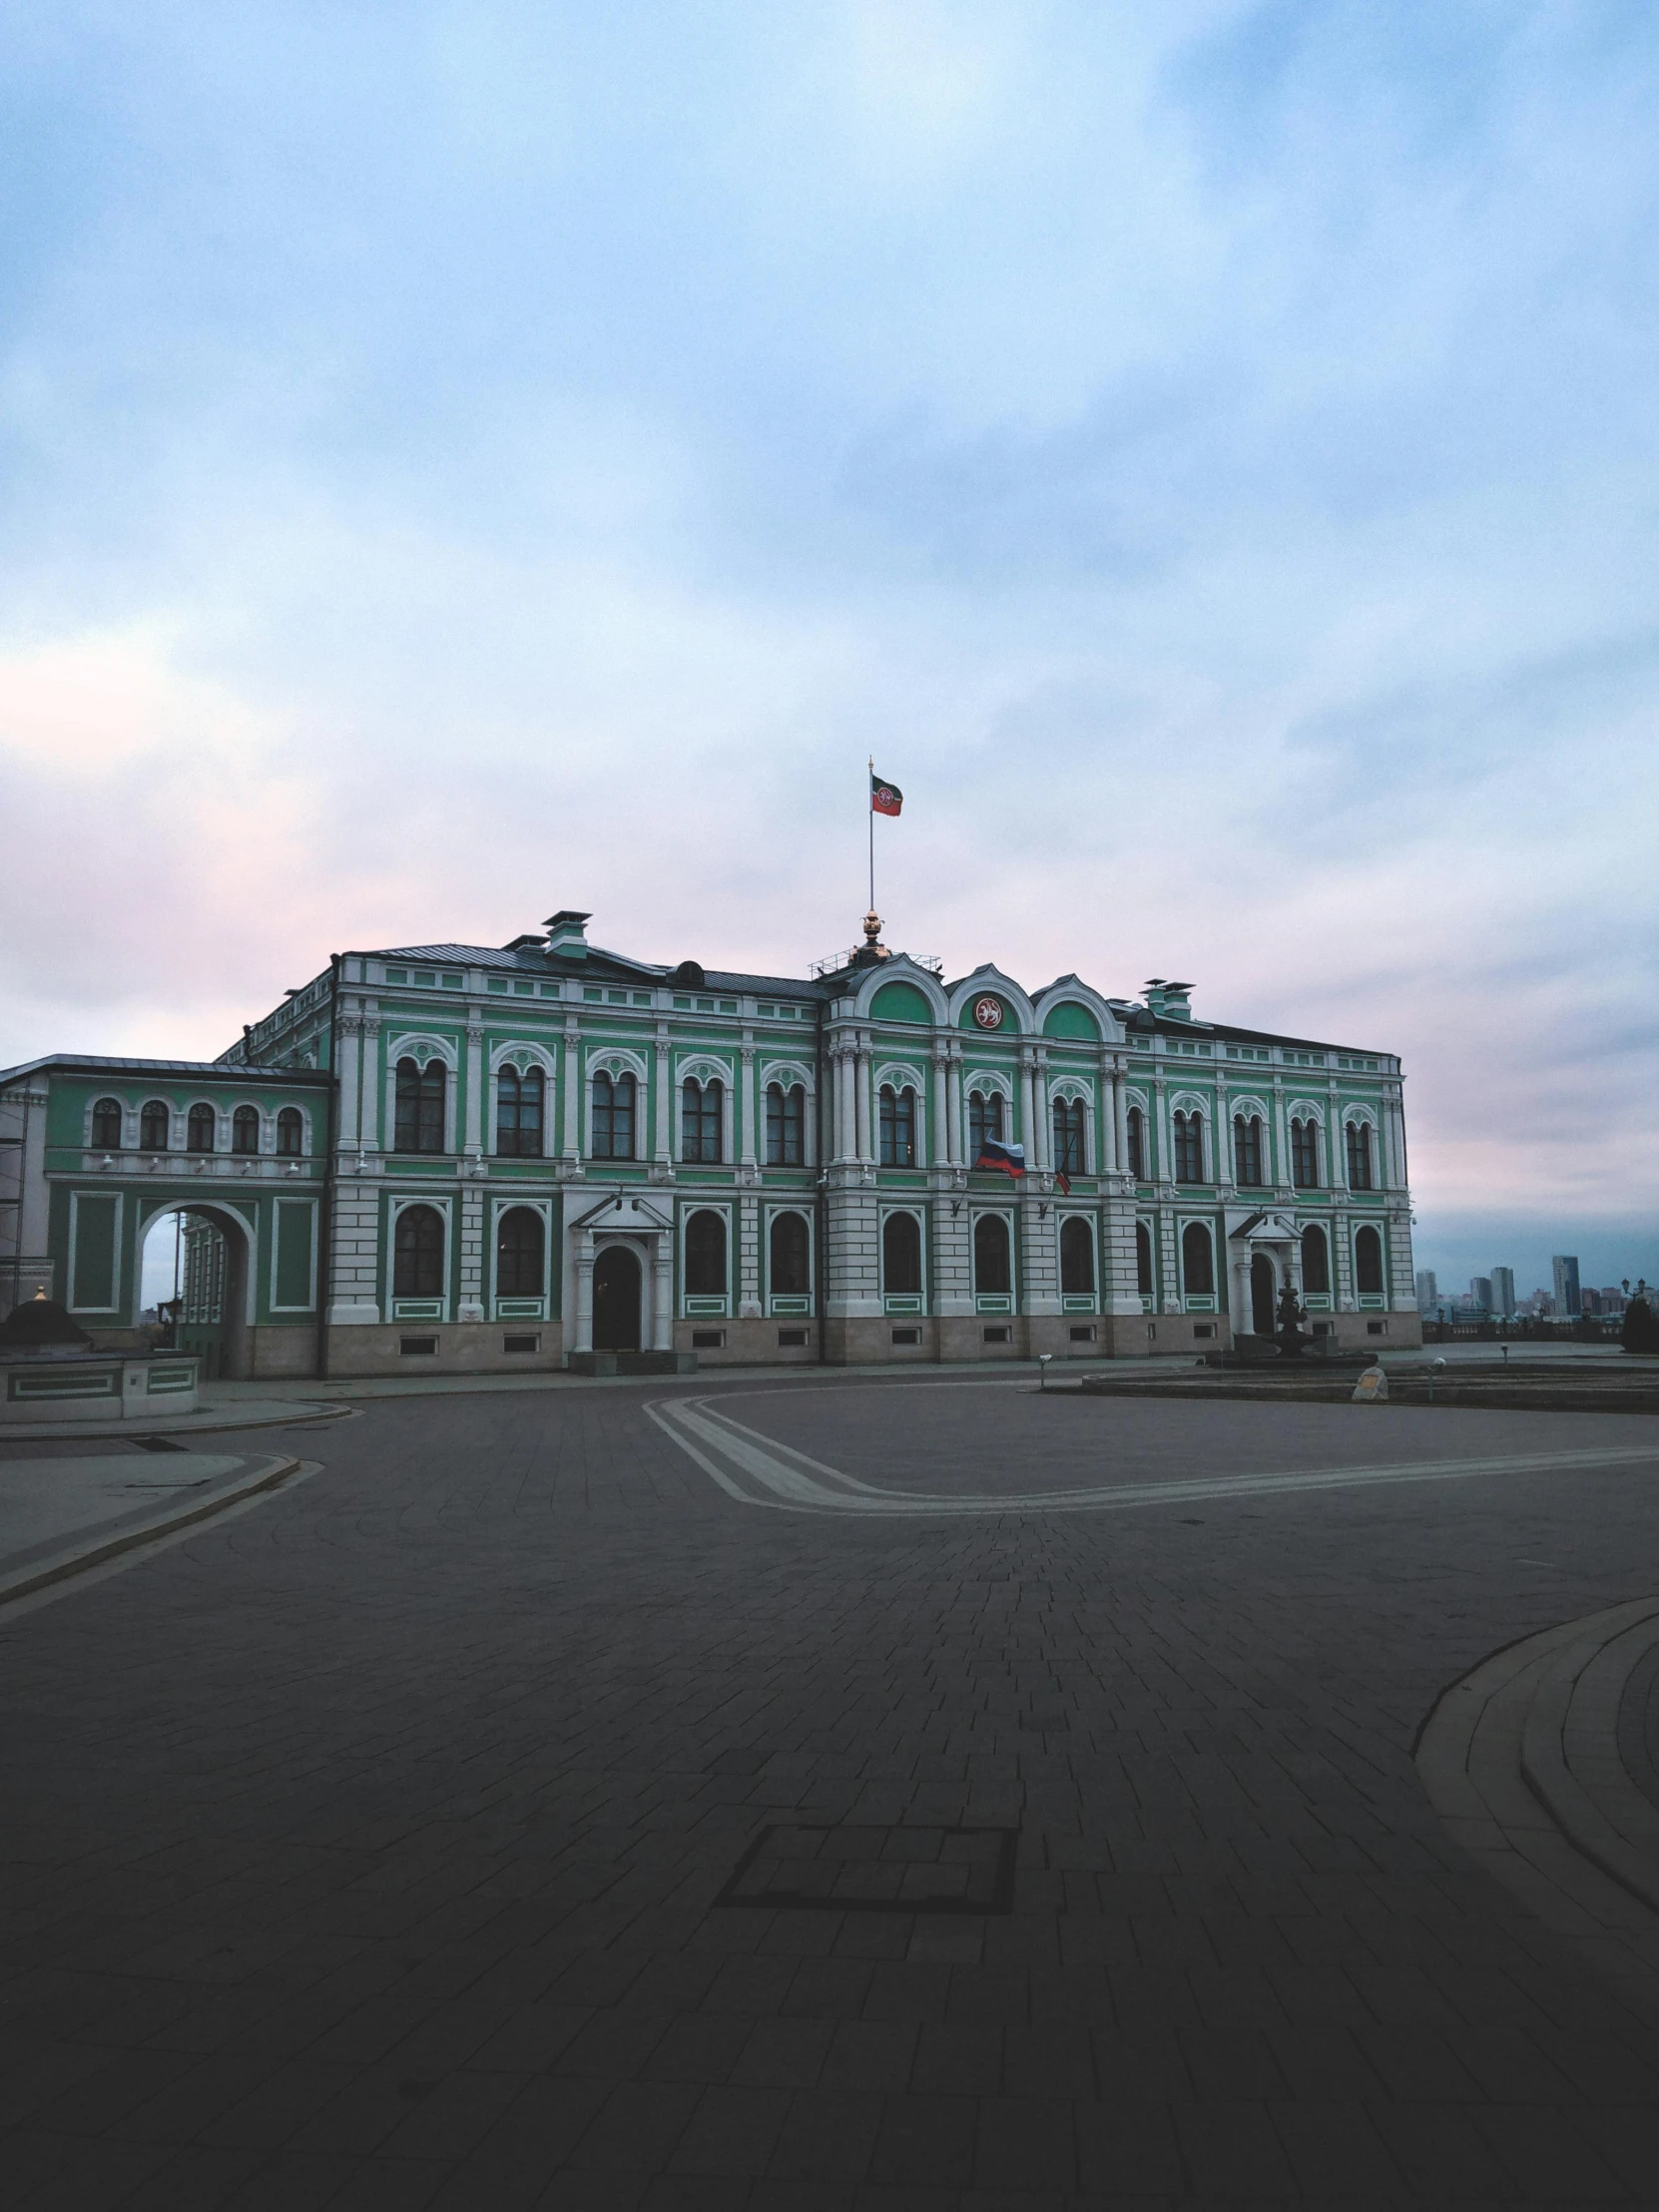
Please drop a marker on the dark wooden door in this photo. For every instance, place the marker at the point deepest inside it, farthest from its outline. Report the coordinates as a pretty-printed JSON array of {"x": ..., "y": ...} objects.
[
  {"x": 1260, "y": 1295},
  {"x": 616, "y": 1301}
]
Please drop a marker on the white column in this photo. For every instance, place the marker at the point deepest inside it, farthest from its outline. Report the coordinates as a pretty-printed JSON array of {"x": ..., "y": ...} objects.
[
  {"x": 953, "y": 1107},
  {"x": 373, "y": 1077},
  {"x": 1120, "y": 1117},
  {"x": 662, "y": 1146},
  {"x": 1165, "y": 1171},
  {"x": 584, "y": 1293},
  {"x": 748, "y": 1064},
  {"x": 474, "y": 1140},
  {"x": 350, "y": 1059},
  {"x": 861, "y": 1068},
  {"x": 572, "y": 1145},
  {"x": 727, "y": 1118},
  {"x": 1044, "y": 1111},
  {"x": 662, "y": 1290},
  {"x": 940, "y": 1148},
  {"x": 1281, "y": 1135}
]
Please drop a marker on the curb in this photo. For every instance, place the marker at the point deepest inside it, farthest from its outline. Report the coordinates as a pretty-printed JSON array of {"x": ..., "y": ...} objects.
[
  {"x": 267, "y": 1475},
  {"x": 1520, "y": 1760},
  {"x": 221, "y": 1422}
]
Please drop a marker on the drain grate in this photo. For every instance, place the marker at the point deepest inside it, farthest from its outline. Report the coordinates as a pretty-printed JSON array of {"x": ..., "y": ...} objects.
[
  {"x": 797, "y": 1867},
  {"x": 157, "y": 1443}
]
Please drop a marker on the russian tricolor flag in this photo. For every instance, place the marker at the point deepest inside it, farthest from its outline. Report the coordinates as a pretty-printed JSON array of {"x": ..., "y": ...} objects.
[{"x": 1010, "y": 1158}]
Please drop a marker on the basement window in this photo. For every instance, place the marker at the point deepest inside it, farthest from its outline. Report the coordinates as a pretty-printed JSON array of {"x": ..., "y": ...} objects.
[
  {"x": 1002, "y": 1336},
  {"x": 906, "y": 1336},
  {"x": 529, "y": 1342},
  {"x": 792, "y": 1338},
  {"x": 708, "y": 1340},
  {"x": 423, "y": 1347}
]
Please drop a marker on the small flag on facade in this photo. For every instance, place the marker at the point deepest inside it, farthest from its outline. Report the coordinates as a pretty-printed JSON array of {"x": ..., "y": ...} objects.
[
  {"x": 1063, "y": 1180},
  {"x": 884, "y": 798},
  {"x": 1010, "y": 1158}
]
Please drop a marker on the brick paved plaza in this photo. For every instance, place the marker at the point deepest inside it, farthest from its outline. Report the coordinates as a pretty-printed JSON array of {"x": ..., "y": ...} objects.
[{"x": 760, "y": 1807}]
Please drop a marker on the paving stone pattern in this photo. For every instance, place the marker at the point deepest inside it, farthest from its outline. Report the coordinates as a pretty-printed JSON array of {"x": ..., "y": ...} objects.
[{"x": 363, "y": 1850}]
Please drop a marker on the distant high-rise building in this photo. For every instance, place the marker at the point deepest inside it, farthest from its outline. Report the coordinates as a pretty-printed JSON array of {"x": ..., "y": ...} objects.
[
  {"x": 1567, "y": 1298},
  {"x": 1504, "y": 1290},
  {"x": 1480, "y": 1293},
  {"x": 1428, "y": 1291}
]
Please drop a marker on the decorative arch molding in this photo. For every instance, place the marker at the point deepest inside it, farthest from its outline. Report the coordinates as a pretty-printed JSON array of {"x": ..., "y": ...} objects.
[
  {"x": 988, "y": 1080},
  {"x": 1358, "y": 1110},
  {"x": 523, "y": 1054},
  {"x": 1248, "y": 1105},
  {"x": 417, "y": 1045},
  {"x": 614, "y": 1060},
  {"x": 992, "y": 981},
  {"x": 1306, "y": 1109},
  {"x": 698, "y": 1067},
  {"x": 1193, "y": 1102},
  {"x": 901, "y": 969},
  {"x": 788, "y": 1073},
  {"x": 1071, "y": 990},
  {"x": 1069, "y": 1087},
  {"x": 900, "y": 1074}
]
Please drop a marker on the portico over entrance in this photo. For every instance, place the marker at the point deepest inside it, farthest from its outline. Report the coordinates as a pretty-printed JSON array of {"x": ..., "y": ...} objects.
[{"x": 619, "y": 1263}]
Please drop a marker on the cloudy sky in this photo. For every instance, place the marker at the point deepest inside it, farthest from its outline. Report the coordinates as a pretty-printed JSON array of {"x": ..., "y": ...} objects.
[{"x": 461, "y": 460}]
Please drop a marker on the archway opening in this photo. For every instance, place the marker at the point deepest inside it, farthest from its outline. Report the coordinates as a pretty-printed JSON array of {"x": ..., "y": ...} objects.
[
  {"x": 1262, "y": 1298},
  {"x": 192, "y": 1286},
  {"x": 616, "y": 1301}
]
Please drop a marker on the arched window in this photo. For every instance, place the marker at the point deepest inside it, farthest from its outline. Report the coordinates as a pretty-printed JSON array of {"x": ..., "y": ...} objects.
[
  {"x": 1198, "y": 1259},
  {"x": 244, "y": 1129},
  {"x": 902, "y": 1252},
  {"x": 200, "y": 1129},
  {"x": 520, "y": 1246},
  {"x": 1143, "y": 1259},
  {"x": 985, "y": 1120},
  {"x": 106, "y": 1125},
  {"x": 1137, "y": 1144},
  {"x": 785, "y": 1126},
  {"x": 1368, "y": 1261},
  {"x": 1068, "y": 1138},
  {"x": 992, "y": 1270},
  {"x": 1359, "y": 1155},
  {"x": 898, "y": 1127},
  {"x": 1246, "y": 1148},
  {"x": 1315, "y": 1260},
  {"x": 291, "y": 1133},
  {"x": 1304, "y": 1155},
  {"x": 419, "y": 1107},
  {"x": 701, "y": 1123},
  {"x": 1189, "y": 1148},
  {"x": 1076, "y": 1256},
  {"x": 153, "y": 1127},
  {"x": 791, "y": 1256},
  {"x": 518, "y": 1112},
  {"x": 613, "y": 1117},
  {"x": 706, "y": 1254},
  {"x": 417, "y": 1252}
]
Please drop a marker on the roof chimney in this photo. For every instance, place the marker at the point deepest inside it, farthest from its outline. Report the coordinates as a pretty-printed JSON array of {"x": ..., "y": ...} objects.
[
  {"x": 1170, "y": 1001},
  {"x": 567, "y": 933}
]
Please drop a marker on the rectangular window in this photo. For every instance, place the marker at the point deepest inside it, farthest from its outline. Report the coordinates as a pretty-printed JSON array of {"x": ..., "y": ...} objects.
[
  {"x": 1304, "y": 1155},
  {"x": 700, "y": 1121},
  {"x": 786, "y": 1125},
  {"x": 1246, "y": 1148},
  {"x": 792, "y": 1338},
  {"x": 518, "y": 1113},
  {"x": 521, "y": 1343},
  {"x": 898, "y": 1127},
  {"x": 1359, "y": 1155},
  {"x": 999, "y": 1335},
  {"x": 1068, "y": 1136},
  {"x": 906, "y": 1336},
  {"x": 422, "y": 1348},
  {"x": 613, "y": 1117},
  {"x": 708, "y": 1340}
]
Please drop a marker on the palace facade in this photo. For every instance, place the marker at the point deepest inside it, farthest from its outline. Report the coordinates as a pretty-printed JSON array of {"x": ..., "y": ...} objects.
[{"x": 465, "y": 1159}]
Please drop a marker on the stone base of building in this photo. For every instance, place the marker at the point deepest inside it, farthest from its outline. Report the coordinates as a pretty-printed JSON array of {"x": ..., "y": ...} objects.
[
  {"x": 443, "y": 1347},
  {"x": 779, "y": 1343},
  {"x": 633, "y": 1362}
]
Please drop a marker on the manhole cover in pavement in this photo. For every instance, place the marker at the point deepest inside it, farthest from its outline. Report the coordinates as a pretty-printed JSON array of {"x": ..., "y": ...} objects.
[{"x": 795, "y": 1867}]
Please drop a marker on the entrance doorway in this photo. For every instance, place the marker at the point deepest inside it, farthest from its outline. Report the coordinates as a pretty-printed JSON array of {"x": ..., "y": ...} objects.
[
  {"x": 616, "y": 1301},
  {"x": 1260, "y": 1295}
]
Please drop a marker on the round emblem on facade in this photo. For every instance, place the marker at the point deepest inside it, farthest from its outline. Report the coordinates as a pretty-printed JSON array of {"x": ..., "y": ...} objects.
[{"x": 988, "y": 1012}]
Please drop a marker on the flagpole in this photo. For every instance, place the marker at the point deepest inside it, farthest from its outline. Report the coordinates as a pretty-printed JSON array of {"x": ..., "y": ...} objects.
[{"x": 869, "y": 801}]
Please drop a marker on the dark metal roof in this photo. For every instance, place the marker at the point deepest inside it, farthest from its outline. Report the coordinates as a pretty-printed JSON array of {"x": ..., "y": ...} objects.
[
  {"x": 521, "y": 958},
  {"x": 95, "y": 1063}
]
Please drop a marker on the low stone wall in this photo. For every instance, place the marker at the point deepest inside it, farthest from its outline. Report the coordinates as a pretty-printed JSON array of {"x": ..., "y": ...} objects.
[
  {"x": 456, "y": 1348},
  {"x": 89, "y": 1386}
]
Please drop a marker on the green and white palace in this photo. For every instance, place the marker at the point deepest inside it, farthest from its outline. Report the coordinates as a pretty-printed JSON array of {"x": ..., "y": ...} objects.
[{"x": 463, "y": 1159}]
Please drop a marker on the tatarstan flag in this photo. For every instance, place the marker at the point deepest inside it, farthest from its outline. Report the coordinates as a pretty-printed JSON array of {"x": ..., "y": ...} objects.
[{"x": 884, "y": 798}]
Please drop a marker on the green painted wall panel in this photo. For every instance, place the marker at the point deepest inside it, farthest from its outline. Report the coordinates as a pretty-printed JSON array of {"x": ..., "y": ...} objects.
[
  {"x": 1069, "y": 1020},
  {"x": 92, "y": 1262},
  {"x": 293, "y": 1253},
  {"x": 899, "y": 1001}
]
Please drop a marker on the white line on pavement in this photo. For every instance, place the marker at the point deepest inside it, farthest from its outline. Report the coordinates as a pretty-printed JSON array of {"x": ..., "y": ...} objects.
[{"x": 743, "y": 1461}]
